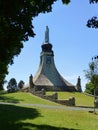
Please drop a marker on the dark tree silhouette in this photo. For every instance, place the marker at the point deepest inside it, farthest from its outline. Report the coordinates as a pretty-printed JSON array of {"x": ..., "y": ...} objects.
[
  {"x": 21, "y": 84},
  {"x": 12, "y": 85},
  {"x": 93, "y": 22},
  {"x": 16, "y": 26}
]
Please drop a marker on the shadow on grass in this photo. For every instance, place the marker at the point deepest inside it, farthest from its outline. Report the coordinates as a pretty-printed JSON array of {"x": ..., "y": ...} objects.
[
  {"x": 30, "y": 126},
  {"x": 11, "y": 116},
  {"x": 3, "y": 98},
  {"x": 14, "y": 117}
]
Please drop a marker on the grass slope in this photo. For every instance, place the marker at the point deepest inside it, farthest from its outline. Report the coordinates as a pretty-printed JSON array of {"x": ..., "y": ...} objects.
[
  {"x": 22, "y": 97},
  {"x": 14, "y": 117}
]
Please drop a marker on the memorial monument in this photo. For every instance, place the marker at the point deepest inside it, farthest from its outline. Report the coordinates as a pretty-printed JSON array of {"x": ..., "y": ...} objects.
[{"x": 47, "y": 76}]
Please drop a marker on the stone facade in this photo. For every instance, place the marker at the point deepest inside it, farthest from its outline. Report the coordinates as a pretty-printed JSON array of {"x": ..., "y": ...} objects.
[{"x": 47, "y": 76}]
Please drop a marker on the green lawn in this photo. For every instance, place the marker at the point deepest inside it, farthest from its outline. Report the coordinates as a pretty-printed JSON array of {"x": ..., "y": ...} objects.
[{"x": 15, "y": 117}]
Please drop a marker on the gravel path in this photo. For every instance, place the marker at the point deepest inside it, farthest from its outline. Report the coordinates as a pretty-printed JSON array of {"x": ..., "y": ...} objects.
[{"x": 51, "y": 107}]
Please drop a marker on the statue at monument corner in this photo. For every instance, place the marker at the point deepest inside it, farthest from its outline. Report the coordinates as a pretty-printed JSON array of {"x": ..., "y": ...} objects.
[
  {"x": 31, "y": 81},
  {"x": 47, "y": 35},
  {"x": 78, "y": 85}
]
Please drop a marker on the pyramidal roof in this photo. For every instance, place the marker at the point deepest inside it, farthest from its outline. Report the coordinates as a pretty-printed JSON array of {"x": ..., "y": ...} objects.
[{"x": 47, "y": 76}]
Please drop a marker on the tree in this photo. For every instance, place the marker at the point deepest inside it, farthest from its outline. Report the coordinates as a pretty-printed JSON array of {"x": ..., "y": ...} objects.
[
  {"x": 92, "y": 75},
  {"x": 16, "y": 26},
  {"x": 93, "y": 22},
  {"x": 21, "y": 84},
  {"x": 89, "y": 88},
  {"x": 66, "y": 1},
  {"x": 12, "y": 85}
]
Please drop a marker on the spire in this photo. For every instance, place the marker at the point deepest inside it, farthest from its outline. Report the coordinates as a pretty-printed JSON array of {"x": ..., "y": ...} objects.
[
  {"x": 47, "y": 35},
  {"x": 78, "y": 85},
  {"x": 46, "y": 46}
]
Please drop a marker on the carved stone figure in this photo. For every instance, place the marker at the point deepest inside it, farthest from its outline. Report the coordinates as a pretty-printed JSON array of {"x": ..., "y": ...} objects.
[
  {"x": 47, "y": 35},
  {"x": 31, "y": 81},
  {"x": 78, "y": 85}
]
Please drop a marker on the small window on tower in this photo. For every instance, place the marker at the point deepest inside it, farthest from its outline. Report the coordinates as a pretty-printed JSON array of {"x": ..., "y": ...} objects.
[{"x": 48, "y": 60}]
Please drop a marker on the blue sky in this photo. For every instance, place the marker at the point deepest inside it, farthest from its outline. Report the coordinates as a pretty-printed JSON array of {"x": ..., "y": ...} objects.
[{"x": 73, "y": 43}]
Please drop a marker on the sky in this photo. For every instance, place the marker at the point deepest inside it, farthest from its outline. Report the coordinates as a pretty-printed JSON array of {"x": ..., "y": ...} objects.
[{"x": 74, "y": 44}]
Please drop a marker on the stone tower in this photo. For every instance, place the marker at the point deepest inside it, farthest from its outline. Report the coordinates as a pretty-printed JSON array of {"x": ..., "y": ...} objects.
[
  {"x": 78, "y": 85},
  {"x": 47, "y": 76}
]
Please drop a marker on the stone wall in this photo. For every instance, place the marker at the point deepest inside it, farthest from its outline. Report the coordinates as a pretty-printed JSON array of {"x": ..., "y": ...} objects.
[
  {"x": 41, "y": 93},
  {"x": 54, "y": 97},
  {"x": 67, "y": 102}
]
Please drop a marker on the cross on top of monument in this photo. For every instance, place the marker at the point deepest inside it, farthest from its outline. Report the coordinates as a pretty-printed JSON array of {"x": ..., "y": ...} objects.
[{"x": 47, "y": 35}]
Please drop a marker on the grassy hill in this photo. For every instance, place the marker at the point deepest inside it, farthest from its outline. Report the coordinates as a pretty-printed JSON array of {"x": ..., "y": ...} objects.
[
  {"x": 18, "y": 117},
  {"x": 23, "y": 97}
]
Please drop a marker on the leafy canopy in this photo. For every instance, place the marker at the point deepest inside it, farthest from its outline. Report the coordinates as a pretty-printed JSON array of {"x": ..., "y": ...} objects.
[
  {"x": 21, "y": 84},
  {"x": 92, "y": 75},
  {"x": 12, "y": 85},
  {"x": 16, "y": 26},
  {"x": 93, "y": 22}
]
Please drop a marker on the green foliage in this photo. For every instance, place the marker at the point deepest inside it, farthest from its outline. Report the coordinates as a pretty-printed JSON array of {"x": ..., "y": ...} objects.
[
  {"x": 93, "y": 22},
  {"x": 65, "y": 1},
  {"x": 16, "y": 26},
  {"x": 89, "y": 88},
  {"x": 3, "y": 71},
  {"x": 94, "y": 80},
  {"x": 21, "y": 84},
  {"x": 92, "y": 75},
  {"x": 91, "y": 71},
  {"x": 93, "y": 1},
  {"x": 12, "y": 85}
]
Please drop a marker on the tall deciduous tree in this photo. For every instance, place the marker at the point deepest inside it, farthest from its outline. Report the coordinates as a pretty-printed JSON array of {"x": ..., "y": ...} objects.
[
  {"x": 16, "y": 26},
  {"x": 92, "y": 75}
]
